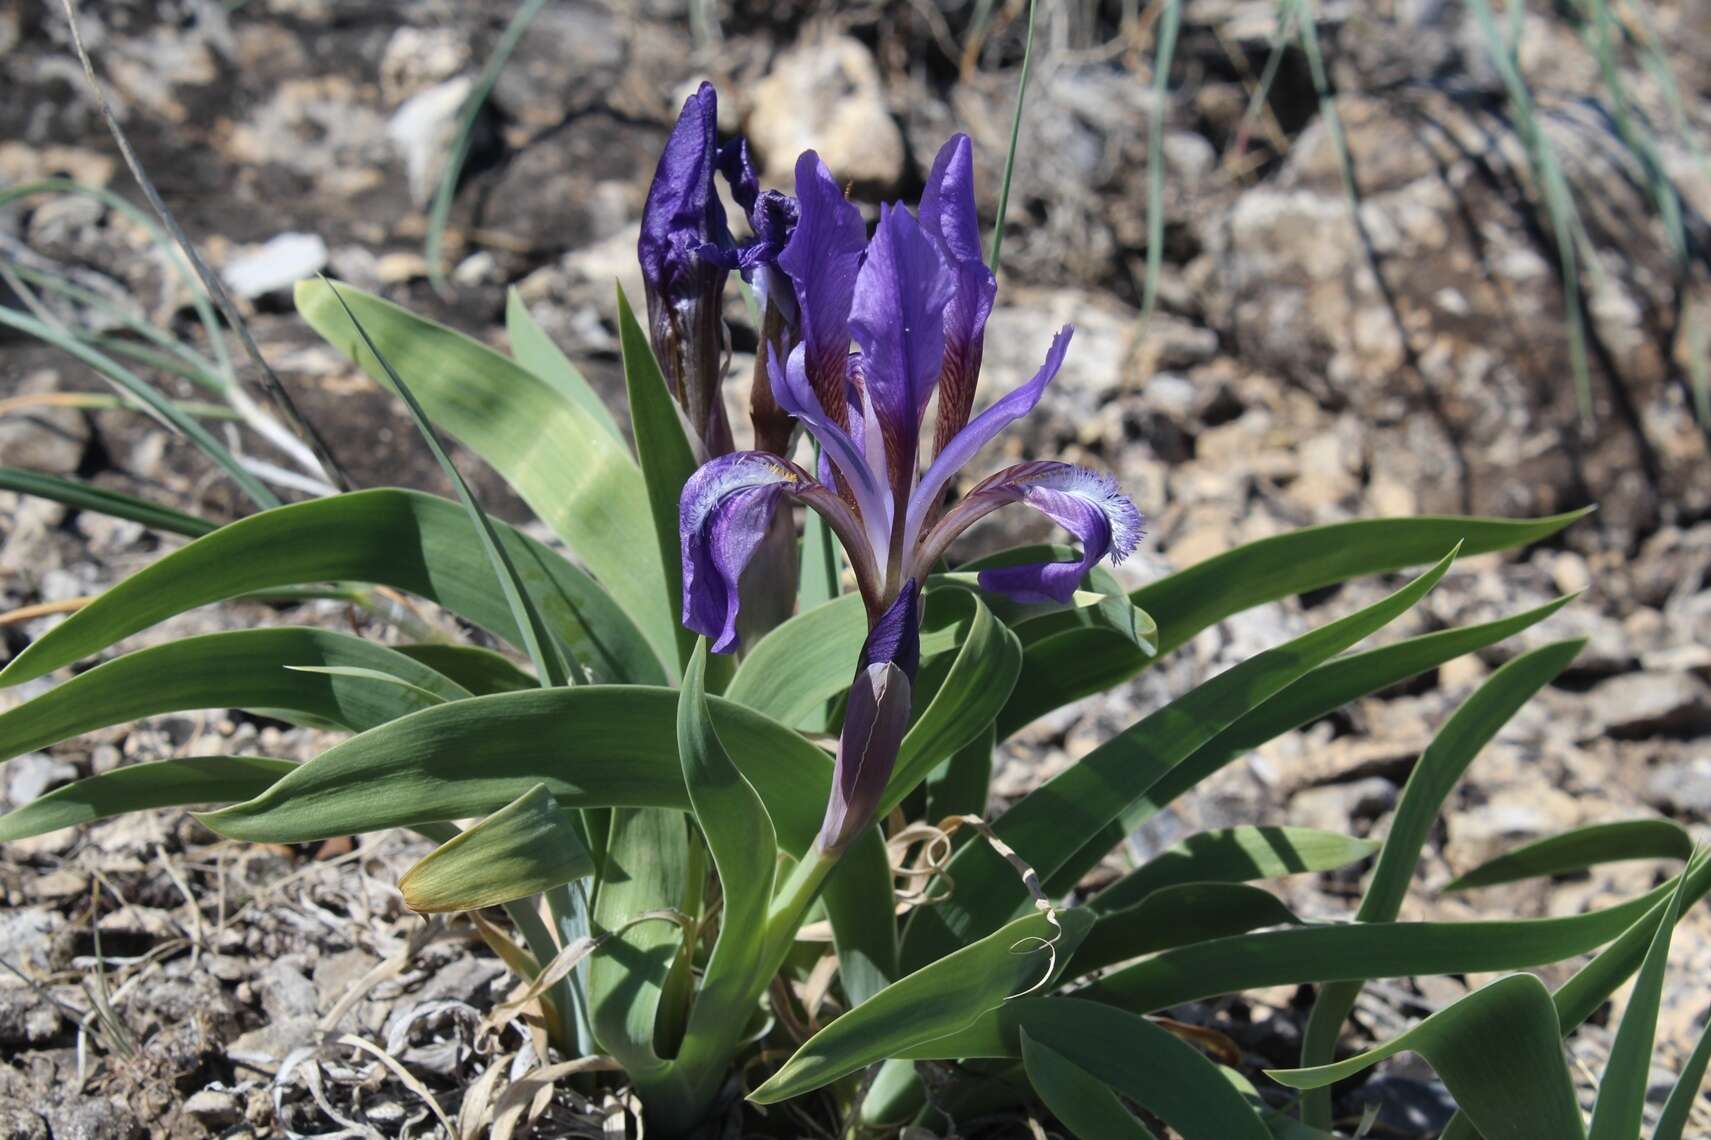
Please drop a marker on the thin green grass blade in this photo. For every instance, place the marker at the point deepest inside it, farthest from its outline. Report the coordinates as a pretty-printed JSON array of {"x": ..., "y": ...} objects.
[
  {"x": 1672, "y": 1122},
  {"x": 535, "y": 350},
  {"x": 195, "y": 366},
  {"x": 1576, "y": 850},
  {"x": 1169, "y": 21},
  {"x": 1440, "y": 768},
  {"x": 159, "y": 237},
  {"x": 189, "y": 782},
  {"x": 1553, "y": 188},
  {"x": 135, "y": 386},
  {"x": 1288, "y": 12},
  {"x": 542, "y": 650},
  {"x": 1498, "y": 1050},
  {"x": 1616, "y": 1114},
  {"x": 88, "y": 497},
  {"x": 528, "y": 846},
  {"x": 440, "y": 210},
  {"x": 1015, "y": 136}
]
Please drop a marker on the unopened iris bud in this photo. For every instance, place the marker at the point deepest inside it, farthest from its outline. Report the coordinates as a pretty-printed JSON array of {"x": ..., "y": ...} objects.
[
  {"x": 684, "y": 289},
  {"x": 875, "y": 718}
]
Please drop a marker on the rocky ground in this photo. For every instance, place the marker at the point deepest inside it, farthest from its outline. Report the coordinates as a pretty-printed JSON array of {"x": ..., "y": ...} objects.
[{"x": 1307, "y": 364}]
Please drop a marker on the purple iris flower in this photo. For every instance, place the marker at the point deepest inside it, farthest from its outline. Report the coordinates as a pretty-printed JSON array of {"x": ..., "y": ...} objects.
[
  {"x": 684, "y": 289},
  {"x": 914, "y": 299}
]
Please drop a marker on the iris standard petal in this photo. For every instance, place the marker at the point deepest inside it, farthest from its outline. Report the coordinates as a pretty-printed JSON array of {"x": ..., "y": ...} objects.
[
  {"x": 822, "y": 258},
  {"x": 722, "y": 516},
  {"x": 948, "y": 214},
  {"x": 897, "y": 317},
  {"x": 1005, "y": 411}
]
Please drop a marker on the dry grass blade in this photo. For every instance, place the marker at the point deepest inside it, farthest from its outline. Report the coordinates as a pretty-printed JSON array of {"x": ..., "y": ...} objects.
[
  {"x": 410, "y": 1080},
  {"x": 1221, "y": 1047},
  {"x": 528, "y": 1098},
  {"x": 560, "y": 967},
  {"x": 323, "y": 455},
  {"x": 473, "y": 1111},
  {"x": 45, "y": 609},
  {"x": 1030, "y": 880},
  {"x": 390, "y": 968}
]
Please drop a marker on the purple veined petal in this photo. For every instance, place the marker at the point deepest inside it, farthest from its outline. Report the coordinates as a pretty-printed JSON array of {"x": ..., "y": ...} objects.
[
  {"x": 822, "y": 257},
  {"x": 1088, "y": 504},
  {"x": 873, "y": 500},
  {"x": 948, "y": 214},
  {"x": 897, "y": 317},
  {"x": 722, "y": 516},
  {"x": 875, "y": 718},
  {"x": 985, "y": 427}
]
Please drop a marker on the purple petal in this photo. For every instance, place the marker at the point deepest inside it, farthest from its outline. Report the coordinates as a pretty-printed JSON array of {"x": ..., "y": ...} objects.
[
  {"x": 947, "y": 203},
  {"x": 1004, "y": 411},
  {"x": 948, "y": 214},
  {"x": 681, "y": 217},
  {"x": 734, "y": 163},
  {"x": 896, "y": 636},
  {"x": 722, "y": 516},
  {"x": 821, "y": 258},
  {"x": 682, "y": 211},
  {"x": 794, "y": 393},
  {"x": 875, "y": 718},
  {"x": 1086, "y": 503},
  {"x": 897, "y": 317}
]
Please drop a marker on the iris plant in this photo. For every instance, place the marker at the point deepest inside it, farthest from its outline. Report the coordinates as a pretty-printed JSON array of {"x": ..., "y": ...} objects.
[{"x": 860, "y": 334}]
